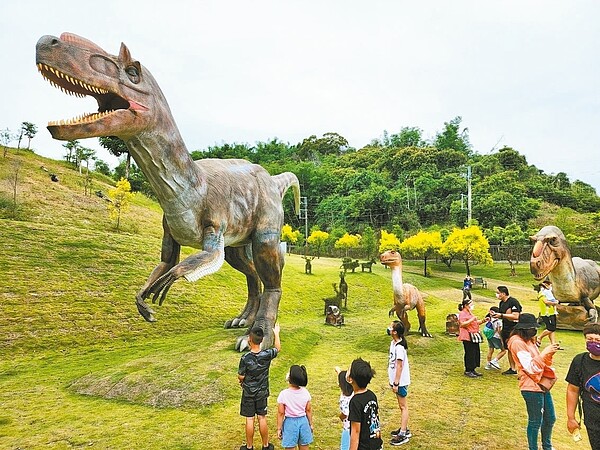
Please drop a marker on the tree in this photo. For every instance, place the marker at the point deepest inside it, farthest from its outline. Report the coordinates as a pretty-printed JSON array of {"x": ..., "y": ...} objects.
[
  {"x": 348, "y": 241},
  {"x": 424, "y": 245},
  {"x": 388, "y": 241},
  {"x": 71, "y": 147},
  {"x": 317, "y": 239},
  {"x": 5, "y": 138},
  {"x": 452, "y": 137},
  {"x": 29, "y": 130},
  {"x": 290, "y": 236},
  {"x": 369, "y": 242},
  {"x": 120, "y": 197},
  {"x": 117, "y": 147},
  {"x": 408, "y": 137},
  {"x": 84, "y": 154},
  {"x": 101, "y": 167},
  {"x": 468, "y": 244},
  {"x": 14, "y": 182},
  {"x": 312, "y": 148}
]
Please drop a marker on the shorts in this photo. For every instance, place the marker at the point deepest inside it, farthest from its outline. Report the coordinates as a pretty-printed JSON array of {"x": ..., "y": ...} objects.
[
  {"x": 495, "y": 342},
  {"x": 402, "y": 391},
  {"x": 550, "y": 322},
  {"x": 250, "y": 407},
  {"x": 505, "y": 334},
  {"x": 296, "y": 431}
]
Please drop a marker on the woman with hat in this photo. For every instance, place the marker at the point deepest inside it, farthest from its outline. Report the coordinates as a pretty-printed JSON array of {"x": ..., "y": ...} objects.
[{"x": 532, "y": 366}]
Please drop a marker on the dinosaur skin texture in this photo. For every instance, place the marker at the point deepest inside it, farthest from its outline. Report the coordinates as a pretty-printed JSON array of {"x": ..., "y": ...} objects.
[
  {"x": 406, "y": 296},
  {"x": 231, "y": 210},
  {"x": 574, "y": 280}
]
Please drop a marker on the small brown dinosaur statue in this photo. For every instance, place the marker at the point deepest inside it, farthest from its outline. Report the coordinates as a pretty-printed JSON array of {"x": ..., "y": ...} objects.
[
  {"x": 229, "y": 209},
  {"x": 574, "y": 279},
  {"x": 406, "y": 296}
]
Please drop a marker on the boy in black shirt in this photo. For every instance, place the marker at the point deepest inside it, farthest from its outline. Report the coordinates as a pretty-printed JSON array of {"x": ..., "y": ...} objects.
[
  {"x": 365, "y": 428},
  {"x": 584, "y": 380},
  {"x": 253, "y": 375}
]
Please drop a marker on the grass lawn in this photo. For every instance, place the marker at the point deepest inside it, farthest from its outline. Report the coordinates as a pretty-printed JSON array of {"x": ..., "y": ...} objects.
[{"x": 79, "y": 368}]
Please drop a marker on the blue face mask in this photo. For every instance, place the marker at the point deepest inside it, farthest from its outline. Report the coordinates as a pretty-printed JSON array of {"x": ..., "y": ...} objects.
[{"x": 593, "y": 348}]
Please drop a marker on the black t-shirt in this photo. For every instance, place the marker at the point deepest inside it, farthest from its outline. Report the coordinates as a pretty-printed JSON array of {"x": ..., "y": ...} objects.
[
  {"x": 255, "y": 367},
  {"x": 584, "y": 373},
  {"x": 511, "y": 305},
  {"x": 365, "y": 409}
]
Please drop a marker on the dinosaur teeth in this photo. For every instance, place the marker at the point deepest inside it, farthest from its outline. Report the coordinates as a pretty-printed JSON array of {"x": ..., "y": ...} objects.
[
  {"x": 44, "y": 69},
  {"x": 84, "y": 118}
]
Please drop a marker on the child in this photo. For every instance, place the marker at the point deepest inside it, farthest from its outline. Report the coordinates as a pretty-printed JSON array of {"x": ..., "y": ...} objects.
[
  {"x": 345, "y": 397},
  {"x": 548, "y": 304},
  {"x": 294, "y": 411},
  {"x": 365, "y": 429},
  {"x": 494, "y": 328},
  {"x": 253, "y": 375},
  {"x": 399, "y": 378}
]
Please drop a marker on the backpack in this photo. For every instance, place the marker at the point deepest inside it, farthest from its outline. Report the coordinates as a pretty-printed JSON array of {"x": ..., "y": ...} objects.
[{"x": 488, "y": 330}]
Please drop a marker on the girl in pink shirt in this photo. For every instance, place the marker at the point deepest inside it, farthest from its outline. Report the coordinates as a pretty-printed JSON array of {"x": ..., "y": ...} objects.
[{"x": 294, "y": 411}]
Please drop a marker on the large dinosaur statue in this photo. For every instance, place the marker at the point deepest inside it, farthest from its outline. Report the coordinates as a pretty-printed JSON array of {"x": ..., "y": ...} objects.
[
  {"x": 574, "y": 279},
  {"x": 229, "y": 209},
  {"x": 406, "y": 296}
]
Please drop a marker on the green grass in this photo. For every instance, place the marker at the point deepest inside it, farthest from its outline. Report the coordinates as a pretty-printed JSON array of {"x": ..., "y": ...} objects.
[{"x": 80, "y": 368}]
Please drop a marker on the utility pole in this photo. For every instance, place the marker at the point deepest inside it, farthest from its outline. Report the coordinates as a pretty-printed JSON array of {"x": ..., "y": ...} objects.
[
  {"x": 469, "y": 211},
  {"x": 304, "y": 215}
]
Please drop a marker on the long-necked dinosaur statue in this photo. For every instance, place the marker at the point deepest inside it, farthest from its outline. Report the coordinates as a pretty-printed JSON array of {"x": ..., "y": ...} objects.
[
  {"x": 229, "y": 209},
  {"x": 406, "y": 296},
  {"x": 574, "y": 280}
]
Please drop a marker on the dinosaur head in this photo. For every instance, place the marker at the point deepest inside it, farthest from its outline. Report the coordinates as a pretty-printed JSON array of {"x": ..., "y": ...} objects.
[
  {"x": 391, "y": 258},
  {"x": 126, "y": 93},
  {"x": 549, "y": 248}
]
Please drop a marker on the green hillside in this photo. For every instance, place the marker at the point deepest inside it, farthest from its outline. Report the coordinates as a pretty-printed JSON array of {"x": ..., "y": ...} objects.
[{"x": 79, "y": 367}]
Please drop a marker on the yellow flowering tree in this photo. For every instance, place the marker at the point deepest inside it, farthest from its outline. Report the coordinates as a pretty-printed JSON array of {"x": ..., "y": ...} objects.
[
  {"x": 423, "y": 245},
  {"x": 348, "y": 241},
  {"x": 467, "y": 244},
  {"x": 120, "y": 197},
  {"x": 317, "y": 239},
  {"x": 388, "y": 241}
]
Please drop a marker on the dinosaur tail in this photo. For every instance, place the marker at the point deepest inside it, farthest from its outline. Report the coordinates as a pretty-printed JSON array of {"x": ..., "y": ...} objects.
[{"x": 284, "y": 181}]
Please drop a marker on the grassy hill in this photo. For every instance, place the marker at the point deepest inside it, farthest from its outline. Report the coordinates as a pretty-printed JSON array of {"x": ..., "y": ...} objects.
[{"x": 80, "y": 368}]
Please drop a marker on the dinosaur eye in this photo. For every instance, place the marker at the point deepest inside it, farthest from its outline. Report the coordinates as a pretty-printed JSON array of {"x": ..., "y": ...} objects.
[
  {"x": 554, "y": 241},
  {"x": 133, "y": 74}
]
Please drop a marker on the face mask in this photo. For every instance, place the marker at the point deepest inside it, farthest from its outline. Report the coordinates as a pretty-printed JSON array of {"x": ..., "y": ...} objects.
[
  {"x": 388, "y": 331},
  {"x": 593, "y": 348},
  {"x": 498, "y": 296},
  {"x": 472, "y": 306},
  {"x": 530, "y": 333}
]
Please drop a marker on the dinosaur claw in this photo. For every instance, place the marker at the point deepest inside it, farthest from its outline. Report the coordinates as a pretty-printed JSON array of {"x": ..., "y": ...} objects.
[
  {"x": 241, "y": 343},
  {"x": 145, "y": 311},
  {"x": 235, "y": 323}
]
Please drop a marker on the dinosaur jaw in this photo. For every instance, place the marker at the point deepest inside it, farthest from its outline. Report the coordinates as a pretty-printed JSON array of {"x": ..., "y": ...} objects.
[
  {"x": 114, "y": 111},
  {"x": 547, "y": 269}
]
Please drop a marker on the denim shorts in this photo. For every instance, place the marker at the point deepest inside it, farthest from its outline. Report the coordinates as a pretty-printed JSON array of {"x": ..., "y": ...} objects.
[
  {"x": 402, "y": 391},
  {"x": 296, "y": 431}
]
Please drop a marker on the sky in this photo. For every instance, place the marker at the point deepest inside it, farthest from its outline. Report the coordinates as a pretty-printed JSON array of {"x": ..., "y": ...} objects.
[{"x": 523, "y": 74}]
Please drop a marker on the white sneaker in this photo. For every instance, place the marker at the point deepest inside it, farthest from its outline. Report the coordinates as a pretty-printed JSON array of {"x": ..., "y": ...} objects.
[
  {"x": 488, "y": 366},
  {"x": 495, "y": 364}
]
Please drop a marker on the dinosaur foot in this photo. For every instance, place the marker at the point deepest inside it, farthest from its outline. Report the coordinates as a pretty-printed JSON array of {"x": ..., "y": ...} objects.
[
  {"x": 426, "y": 334},
  {"x": 145, "y": 310},
  {"x": 236, "y": 323}
]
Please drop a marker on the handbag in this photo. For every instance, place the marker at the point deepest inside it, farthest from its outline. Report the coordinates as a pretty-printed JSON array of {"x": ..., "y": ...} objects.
[
  {"x": 548, "y": 379},
  {"x": 476, "y": 337}
]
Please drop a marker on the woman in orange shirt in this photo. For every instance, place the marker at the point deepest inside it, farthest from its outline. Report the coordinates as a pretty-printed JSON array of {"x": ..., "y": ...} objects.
[{"x": 532, "y": 365}]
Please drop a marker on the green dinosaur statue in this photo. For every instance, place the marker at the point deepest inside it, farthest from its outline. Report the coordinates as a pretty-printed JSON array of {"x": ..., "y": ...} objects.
[
  {"x": 230, "y": 209},
  {"x": 574, "y": 279}
]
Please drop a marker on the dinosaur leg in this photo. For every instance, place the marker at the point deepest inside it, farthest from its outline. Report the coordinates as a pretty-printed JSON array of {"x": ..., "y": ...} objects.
[
  {"x": 169, "y": 257},
  {"x": 406, "y": 322},
  {"x": 591, "y": 309},
  {"x": 420, "y": 307},
  {"x": 194, "y": 267},
  {"x": 268, "y": 261},
  {"x": 240, "y": 259}
]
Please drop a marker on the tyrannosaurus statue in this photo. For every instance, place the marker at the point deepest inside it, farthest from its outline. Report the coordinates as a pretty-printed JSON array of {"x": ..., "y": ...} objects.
[
  {"x": 406, "y": 296},
  {"x": 574, "y": 279},
  {"x": 229, "y": 209}
]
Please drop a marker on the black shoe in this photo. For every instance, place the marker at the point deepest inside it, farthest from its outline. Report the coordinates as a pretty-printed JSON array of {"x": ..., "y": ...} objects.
[
  {"x": 396, "y": 432},
  {"x": 399, "y": 440},
  {"x": 407, "y": 433},
  {"x": 470, "y": 375},
  {"x": 477, "y": 374},
  {"x": 243, "y": 447},
  {"x": 509, "y": 372},
  {"x": 269, "y": 447}
]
